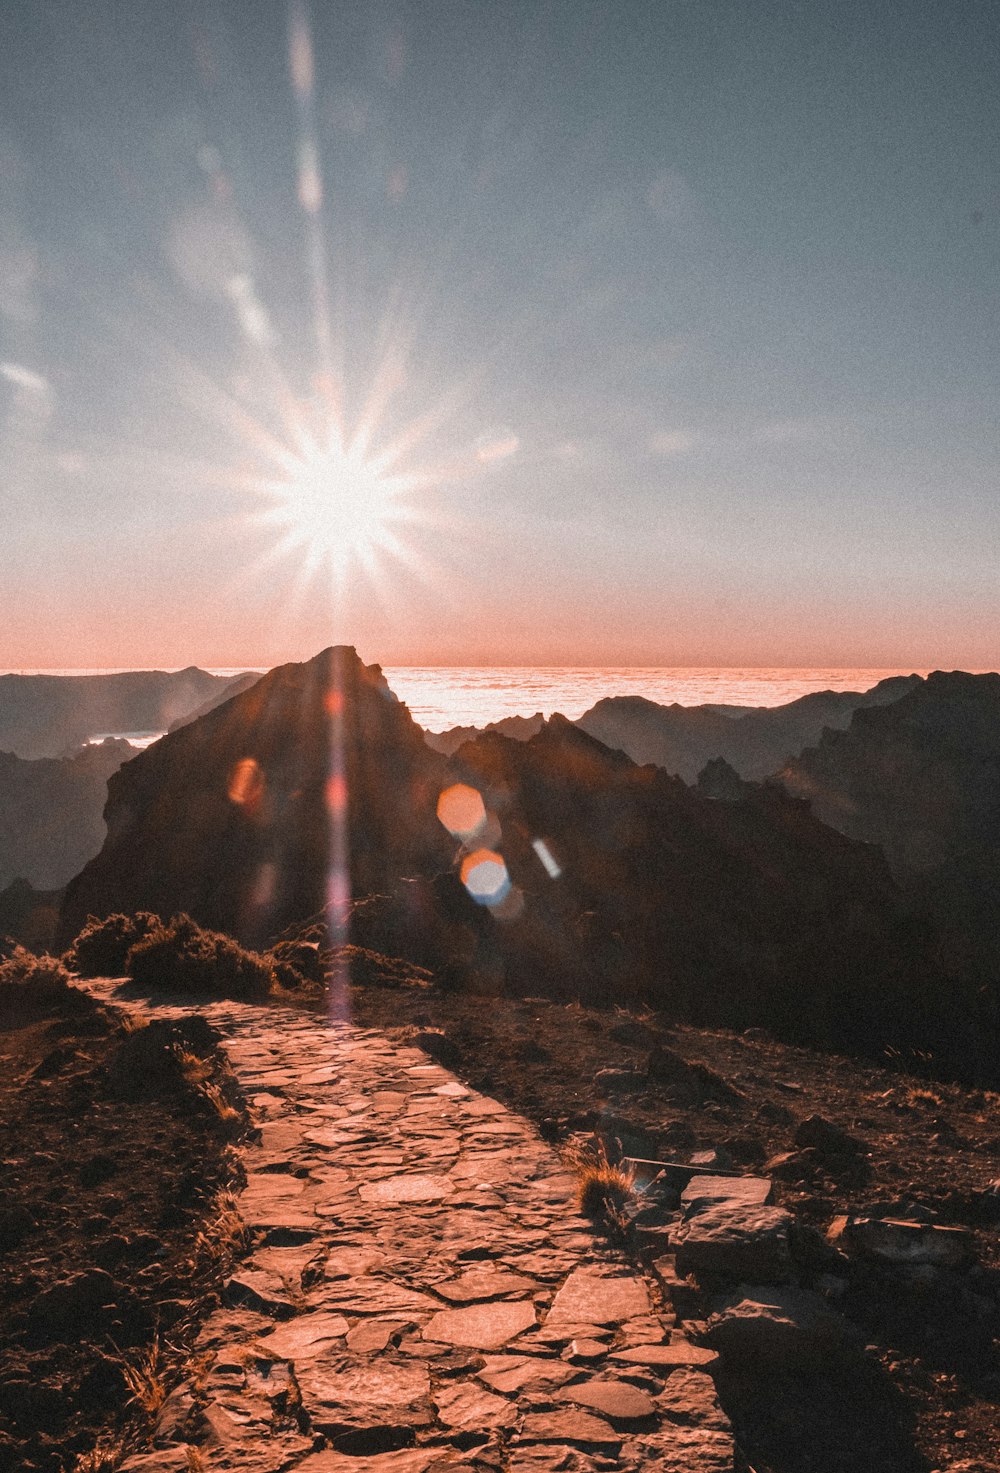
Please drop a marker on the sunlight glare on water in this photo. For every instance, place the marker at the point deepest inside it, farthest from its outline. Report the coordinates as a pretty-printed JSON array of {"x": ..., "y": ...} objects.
[{"x": 444, "y": 696}]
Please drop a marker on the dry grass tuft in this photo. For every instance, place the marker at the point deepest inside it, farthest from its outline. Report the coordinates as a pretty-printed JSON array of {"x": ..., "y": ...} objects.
[
  {"x": 604, "y": 1188},
  {"x": 146, "y": 1378},
  {"x": 105, "y": 1457}
]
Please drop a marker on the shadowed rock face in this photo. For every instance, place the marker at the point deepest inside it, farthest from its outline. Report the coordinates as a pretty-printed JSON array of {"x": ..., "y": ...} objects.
[
  {"x": 232, "y": 817},
  {"x": 48, "y": 715},
  {"x": 51, "y": 810},
  {"x": 921, "y": 777},
  {"x": 726, "y": 913}
]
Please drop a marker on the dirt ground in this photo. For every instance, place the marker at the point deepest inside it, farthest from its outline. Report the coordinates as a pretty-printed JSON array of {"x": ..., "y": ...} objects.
[
  {"x": 928, "y": 1148},
  {"x": 113, "y": 1164}
]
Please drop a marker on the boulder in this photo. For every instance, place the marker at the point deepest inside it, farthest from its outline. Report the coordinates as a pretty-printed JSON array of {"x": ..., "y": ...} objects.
[
  {"x": 736, "y": 1240},
  {"x": 900, "y": 1242},
  {"x": 789, "y": 1327}
]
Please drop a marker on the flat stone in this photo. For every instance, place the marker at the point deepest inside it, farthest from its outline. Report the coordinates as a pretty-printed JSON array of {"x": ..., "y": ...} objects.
[
  {"x": 743, "y": 1241},
  {"x": 585, "y": 1351},
  {"x": 679, "y": 1449},
  {"x": 370, "y": 1336},
  {"x": 553, "y": 1458},
  {"x": 750, "y": 1190},
  {"x": 482, "y": 1326},
  {"x": 667, "y": 1357},
  {"x": 308, "y": 1335},
  {"x": 365, "y": 1407},
  {"x": 465, "y": 1407},
  {"x": 616, "y": 1400},
  {"x": 484, "y": 1283},
  {"x": 509, "y": 1373},
  {"x": 578, "y": 1428},
  {"x": 403, "y": 1460},
  {"x": 690, "y": 1397},
  {"x": 368, "y": 1295},
  {"x": 260, "y": 1290},
  {"x": 590, "y": 1296},
  {"x": 403, "y": 1189}
]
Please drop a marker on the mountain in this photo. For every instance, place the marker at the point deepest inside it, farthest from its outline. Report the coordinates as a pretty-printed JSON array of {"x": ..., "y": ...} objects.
[
  {"x": 519, "y": 727},
  {"x": 921, "y": 777},
  {"x": 726, "y": 913},
  {"x": 234, "y": 687},
  {"x": 50, "y": 715},
  {"x": 52, "y": 812},
  {"x": 569, "y": 870},
  {"x": 754, "y": 742},
  {"x": 246, "y": 817}
]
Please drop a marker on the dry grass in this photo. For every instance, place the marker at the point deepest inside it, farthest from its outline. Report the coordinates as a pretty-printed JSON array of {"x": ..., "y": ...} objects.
[
  {"x": 604, "y": 1188},
  {"x": 107, "y": 1456},
  {"x": 146, "y": 1378},
  {"x": 928, "y": 1097}
]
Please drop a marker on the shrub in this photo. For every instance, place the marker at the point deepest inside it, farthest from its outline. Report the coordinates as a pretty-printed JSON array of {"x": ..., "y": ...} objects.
[
  {"x": 102, "y": 947},
  {"x": 181, "y": 957},
  {"x": 39, "y": 984},
  {"x": 299, "y": 963}
]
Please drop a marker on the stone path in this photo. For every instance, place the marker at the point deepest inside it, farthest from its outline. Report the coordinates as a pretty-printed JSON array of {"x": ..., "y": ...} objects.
[{"x": 422, "y": 1295}]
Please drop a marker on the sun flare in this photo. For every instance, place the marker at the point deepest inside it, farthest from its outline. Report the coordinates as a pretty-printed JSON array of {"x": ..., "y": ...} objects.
[{"x": 334, "y": 508}]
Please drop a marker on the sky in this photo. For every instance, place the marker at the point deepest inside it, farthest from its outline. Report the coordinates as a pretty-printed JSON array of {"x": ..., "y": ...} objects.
[{"x": 529, "y": 333}]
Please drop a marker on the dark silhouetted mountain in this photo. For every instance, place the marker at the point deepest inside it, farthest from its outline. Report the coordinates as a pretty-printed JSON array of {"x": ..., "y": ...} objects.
[
  {"x": 920, "y": 777},
  {"x": 626, "y": 885},
  {"x": 614, "y": 882},
  {"x": 518, "y": 727},
  {"x": 754, "y": 742},
  {"x": 236, "y": 687},
  {"x": 233, "y": 818},
  {"x": 52, "y": 812},
  {"x": 51, "y": 715}
]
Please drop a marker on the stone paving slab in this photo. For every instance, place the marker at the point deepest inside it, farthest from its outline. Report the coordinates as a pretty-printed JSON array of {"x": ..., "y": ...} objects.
[{"x": 422, "y": 1296}]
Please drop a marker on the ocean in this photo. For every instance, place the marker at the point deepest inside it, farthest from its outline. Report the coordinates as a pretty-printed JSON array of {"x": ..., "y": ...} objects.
[
  {"x": 444, "y": 696},
  {"x": 441, "y": 696}
]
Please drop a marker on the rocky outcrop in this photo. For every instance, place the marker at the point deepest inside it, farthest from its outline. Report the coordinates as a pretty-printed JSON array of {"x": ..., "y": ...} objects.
[
  {"x": 49, "y": 715},
  {"x": 52, "y": 812},
  {"x": 260, "y": 812},
  {"x": 921, "y": 778}
]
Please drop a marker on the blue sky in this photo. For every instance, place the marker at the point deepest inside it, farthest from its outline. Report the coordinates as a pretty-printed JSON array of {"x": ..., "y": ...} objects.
[{"x": 682, "y": 316}]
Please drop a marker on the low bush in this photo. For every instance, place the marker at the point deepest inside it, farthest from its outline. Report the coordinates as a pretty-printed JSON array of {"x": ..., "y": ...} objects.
[
  {"x": 180, "y": 956},
  {"x": 102, "y": 947},
  {"x": 37, "y": 985}
]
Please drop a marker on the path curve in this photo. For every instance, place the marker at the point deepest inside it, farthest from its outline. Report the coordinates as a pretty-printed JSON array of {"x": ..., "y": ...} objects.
[{"x": 422, "y": 1295}]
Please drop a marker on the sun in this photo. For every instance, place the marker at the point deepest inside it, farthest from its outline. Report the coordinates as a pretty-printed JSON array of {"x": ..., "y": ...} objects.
[{"x": 331, "y": 507}]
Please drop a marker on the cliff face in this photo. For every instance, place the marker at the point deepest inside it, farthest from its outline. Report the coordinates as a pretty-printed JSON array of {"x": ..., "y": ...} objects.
[
  {"x": 920, "y": 777},
  {"x": 51, "y": 812},
  {"x": 48, "y": 715},
  {"x": 246, "y": 817}
]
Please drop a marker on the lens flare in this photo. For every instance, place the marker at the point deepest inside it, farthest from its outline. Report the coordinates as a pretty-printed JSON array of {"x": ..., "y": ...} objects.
[
  {"x": 461, "y": 809},
  {"x": 485, "y": 876}
]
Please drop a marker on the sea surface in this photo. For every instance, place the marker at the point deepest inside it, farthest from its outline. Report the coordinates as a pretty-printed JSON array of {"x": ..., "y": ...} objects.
[
  {"x": 444, "y": 696},
  {"x": 441, "y": 696}
]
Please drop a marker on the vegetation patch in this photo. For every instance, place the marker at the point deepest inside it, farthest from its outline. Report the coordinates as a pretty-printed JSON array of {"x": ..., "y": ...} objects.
[{"x": 117, "y": 1216}]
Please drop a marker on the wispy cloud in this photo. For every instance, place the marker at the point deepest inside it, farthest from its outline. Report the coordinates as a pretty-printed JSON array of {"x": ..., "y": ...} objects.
[{"x": 25, "y": 378}]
